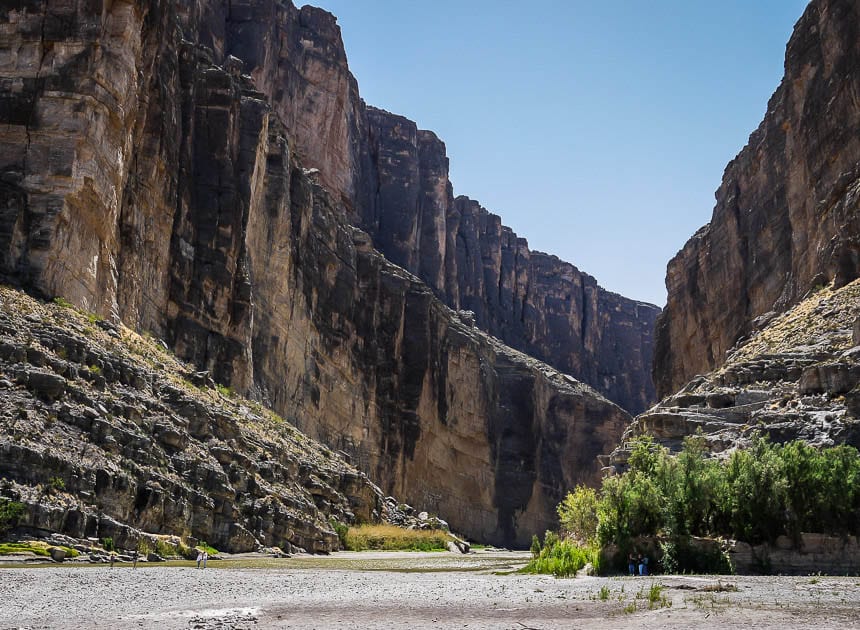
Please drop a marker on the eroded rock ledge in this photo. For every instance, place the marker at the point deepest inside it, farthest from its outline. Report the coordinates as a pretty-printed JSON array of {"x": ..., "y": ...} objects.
[{"x": 796, "y": 377}]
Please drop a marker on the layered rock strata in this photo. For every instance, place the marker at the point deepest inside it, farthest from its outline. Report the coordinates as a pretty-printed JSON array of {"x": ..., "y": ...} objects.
[
  {"x": 148, "y": 175},
  {"x": 393, "y": 181},
  {"x": 104, "y": 434},
  {"x": 797, "y": 377},
  {"x": 786, "y": 218},
  {"x": 532, "y": 301}
]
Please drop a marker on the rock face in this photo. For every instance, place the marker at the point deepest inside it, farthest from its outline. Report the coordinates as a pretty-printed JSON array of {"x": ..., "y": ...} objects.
[
  {"x": 149, "y": 174},
  {"x": 797, "y": 377},
  {"x": 121, "y": 441},
  {"x": 532, "y": 301},
  {"x": 393, "y": 180},
  {"x": 786, "y": 218}
]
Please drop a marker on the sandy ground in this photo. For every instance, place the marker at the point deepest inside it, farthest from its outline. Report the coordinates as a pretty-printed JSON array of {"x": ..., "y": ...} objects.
[{"x": 397, "y": 590}]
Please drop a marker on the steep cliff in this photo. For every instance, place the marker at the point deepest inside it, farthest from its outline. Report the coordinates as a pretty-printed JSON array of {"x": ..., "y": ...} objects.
[
  {"x": 149, "y": 176},
  {"x": 393, "y": 180},
  {"x": 786, "y": 218},
  {"x": 532, "y": 301}
]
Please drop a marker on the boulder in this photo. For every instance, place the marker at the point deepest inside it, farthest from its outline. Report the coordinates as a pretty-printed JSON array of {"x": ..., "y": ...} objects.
[
  {"x": 46, "y": 384},
  {"x": 57, "y": 554}
]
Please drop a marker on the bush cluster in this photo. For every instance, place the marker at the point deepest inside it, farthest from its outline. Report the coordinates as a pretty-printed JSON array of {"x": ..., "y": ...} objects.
[
  {"x": 755, "y": 495},
  {"x": 561, "y": 557}
]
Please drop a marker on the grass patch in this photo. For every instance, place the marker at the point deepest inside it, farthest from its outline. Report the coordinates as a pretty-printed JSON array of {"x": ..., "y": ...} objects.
[
  {"x": 11, "y": 547},
  {"x": 393, "y": 538},
  {"x": 35, "y": 547},
  {"x": 203, "y": 546},
  {"x": 561, "y": 558}
]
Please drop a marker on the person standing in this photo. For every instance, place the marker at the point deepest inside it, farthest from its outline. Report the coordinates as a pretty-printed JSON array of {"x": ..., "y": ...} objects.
[
  {"x": 205, "y": 558},
  {"x": 631, "y": 564},
  {"x": 199, "y": 557}
]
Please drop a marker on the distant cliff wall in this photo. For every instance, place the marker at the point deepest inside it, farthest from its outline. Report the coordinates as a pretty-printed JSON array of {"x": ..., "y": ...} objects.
[
  {"x": 532, "y": 301},
  {"x": 393, "y": 179}
]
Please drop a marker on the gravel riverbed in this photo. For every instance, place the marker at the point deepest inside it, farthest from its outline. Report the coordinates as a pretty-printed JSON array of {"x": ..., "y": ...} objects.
[{"x": 409, "y": 590}]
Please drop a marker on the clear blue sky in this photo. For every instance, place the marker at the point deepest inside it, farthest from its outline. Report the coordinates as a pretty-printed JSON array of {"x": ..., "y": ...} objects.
[{"x": 598, "y": 130}]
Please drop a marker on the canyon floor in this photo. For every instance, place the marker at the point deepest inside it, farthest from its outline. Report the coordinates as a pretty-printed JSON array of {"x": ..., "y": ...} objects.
[{"x": 408, "y": 590}]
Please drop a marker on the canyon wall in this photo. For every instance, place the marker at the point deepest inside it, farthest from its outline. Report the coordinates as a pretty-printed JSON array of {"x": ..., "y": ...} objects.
[
  {"x": 532, "y": 301},
  {"x": 392, "y": 178},
  {"x": 786, "y": 219},
  {"x": 151, "y": 172}
]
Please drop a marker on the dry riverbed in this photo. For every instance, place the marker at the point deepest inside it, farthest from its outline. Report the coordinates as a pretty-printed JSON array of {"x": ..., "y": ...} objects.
[{"x": 408, "y": 590}]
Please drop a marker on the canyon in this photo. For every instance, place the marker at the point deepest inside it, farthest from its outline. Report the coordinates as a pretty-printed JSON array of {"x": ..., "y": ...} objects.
[
  {"x": 202, "y": 171},
  {"x": 271, "y": 313}
]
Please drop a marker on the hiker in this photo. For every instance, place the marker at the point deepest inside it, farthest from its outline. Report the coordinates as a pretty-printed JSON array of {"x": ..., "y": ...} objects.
[
  {"x": 643, "y": 565},
  {"x": 134, "y": 559},
  {"x": 112, "y": 559},
  {"x": 631, "y": 564},
  {"x": 205, "y": 558},
  {"x": 199, "y": 557}
]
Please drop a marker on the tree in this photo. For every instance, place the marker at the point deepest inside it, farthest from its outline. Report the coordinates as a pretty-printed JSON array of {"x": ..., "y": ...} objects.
[{"x": 578, "y": 514}]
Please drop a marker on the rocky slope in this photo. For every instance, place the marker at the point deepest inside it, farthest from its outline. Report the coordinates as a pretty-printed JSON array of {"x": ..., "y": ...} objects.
[
  {"x": 103, "y": 433},
  {"x": 797, "y": 377},
  {"x": 786, "y": 218},
  {"x": 149, "y": 174}
]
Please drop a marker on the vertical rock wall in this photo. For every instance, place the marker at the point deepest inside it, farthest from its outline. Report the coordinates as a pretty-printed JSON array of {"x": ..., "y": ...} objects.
[
  {"x": 149, "y": 174},
  {"x": 786, "y": 218}
]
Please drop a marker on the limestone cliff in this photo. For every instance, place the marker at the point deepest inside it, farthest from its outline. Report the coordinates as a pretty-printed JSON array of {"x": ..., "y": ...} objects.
[
  {"x": 532, "y": 301},
  {"x": 786, "y": 218},
  {"x": 758, "y": 334},
  {"x": 150, "y": 175},
  {"x": 393, "y": 180}
]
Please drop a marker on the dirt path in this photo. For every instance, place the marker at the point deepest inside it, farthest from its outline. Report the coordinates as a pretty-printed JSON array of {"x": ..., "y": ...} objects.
[{"x": 409, "y": 591}]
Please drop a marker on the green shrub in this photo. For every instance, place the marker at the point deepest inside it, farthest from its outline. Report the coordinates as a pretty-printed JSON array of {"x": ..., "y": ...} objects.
[
  {"x": 10, "y": 515},
  {"x": 341, "y": 530},
  {"x": 107, "y": 543},
  {"x": 562, "y": 558},
  {"x": 204, "y": 546},
  {"x": 165, "y": 549},
  {"x": 577, "y": 514}
]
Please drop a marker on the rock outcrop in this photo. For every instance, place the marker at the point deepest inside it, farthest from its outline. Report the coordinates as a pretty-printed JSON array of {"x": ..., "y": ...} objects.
[
  {"x": 786, "y": 218},
  {"x": 104, "y": 434},
  {"x": 796, "y": 378},
  {"x": 150, "y": 172}
]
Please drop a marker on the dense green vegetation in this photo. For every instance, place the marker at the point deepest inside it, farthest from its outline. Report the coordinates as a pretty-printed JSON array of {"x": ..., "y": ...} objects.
[
  {"x": 561, "y": 557},
  {"x": 754, "y": 495}
]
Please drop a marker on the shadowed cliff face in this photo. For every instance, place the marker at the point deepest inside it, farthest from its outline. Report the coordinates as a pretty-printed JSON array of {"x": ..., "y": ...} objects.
[
  {"x": 532, "y": 301},
  {"x": 786, "y": 218},
  {"x": 149, "y": 176},
  {"x": 393, "y": 180}
]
